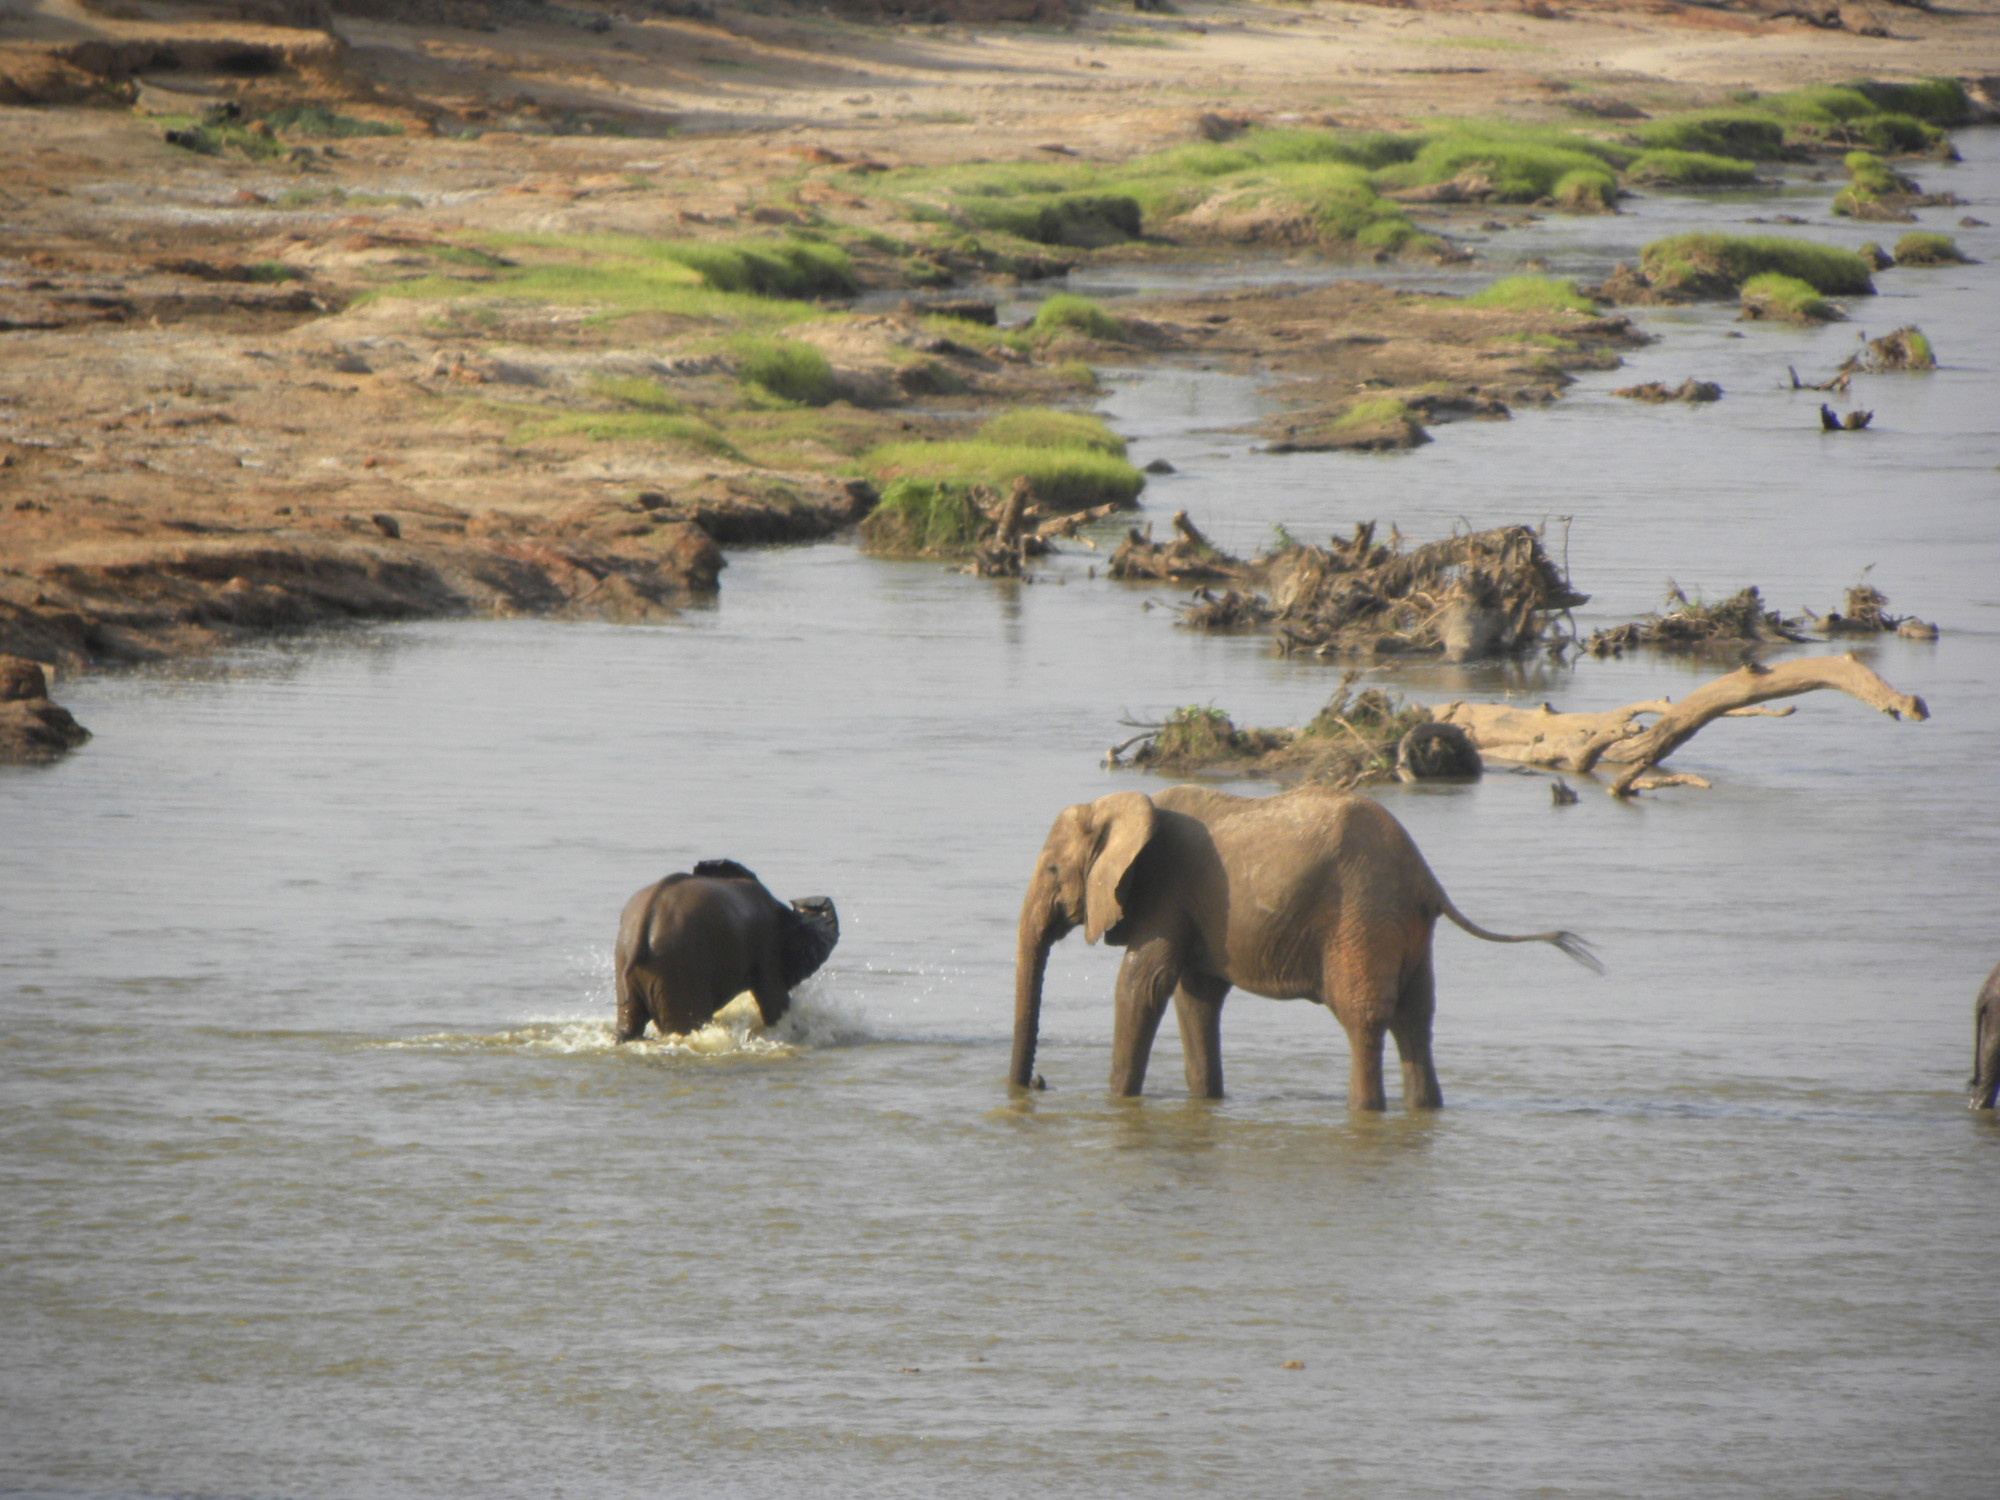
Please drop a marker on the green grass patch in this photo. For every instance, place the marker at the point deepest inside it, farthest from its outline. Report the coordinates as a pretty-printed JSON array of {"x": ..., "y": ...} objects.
[
  {"x": 659, "y": 428},
  {"x": 1717, "y": 265},
  {"x": 213, "y": 138},
  {"x": 1688, "y": 169},
  {"x": 1776, "y": 297},
  {"x": 923, "y": 518},
  {"x": 1523, "y": 164},
  {"x": 1533, "y": 294},
  {"x": 1068, "y": 313},
  {"x": 1936, "y": 101},
  {"x": 1745, "y": 135},
  {"x": 636, "y": 391},
  {"x": 1044, "y": 427},
  {"x": 317, "y": 122},
  {"x": 1374, "y": 411},
  {"x": 1061, "y": 478},
  {"x": 783, "y": 369},
  {"x": 1339, "y": 199},
  {"x": 1926, "y": 248},
  {"x": 1081, "y": 221}
]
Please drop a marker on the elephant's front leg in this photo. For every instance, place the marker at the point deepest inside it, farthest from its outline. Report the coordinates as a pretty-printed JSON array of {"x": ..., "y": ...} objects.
[
  {"x": 1145, "y": 979},
  {"x": 1198, "y": 1009}
]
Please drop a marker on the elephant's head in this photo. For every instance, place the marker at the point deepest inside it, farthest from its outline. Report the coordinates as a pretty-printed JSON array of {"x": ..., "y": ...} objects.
[
  {"x": 1079, "y": 881},
  {"x": 809, "y": 936}
]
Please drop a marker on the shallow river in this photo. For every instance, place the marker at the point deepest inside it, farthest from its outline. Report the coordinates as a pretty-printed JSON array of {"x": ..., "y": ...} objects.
[{"x": 320, "y": 1177}]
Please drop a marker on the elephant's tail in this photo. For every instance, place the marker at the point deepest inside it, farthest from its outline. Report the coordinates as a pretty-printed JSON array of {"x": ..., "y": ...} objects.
[{"x": 1568, "y": 942}]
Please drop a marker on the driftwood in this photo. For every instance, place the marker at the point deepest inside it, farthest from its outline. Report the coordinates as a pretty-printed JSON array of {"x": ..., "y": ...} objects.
[
  {"x": 1580, "y": 742},
  {"x": 1189, "y": 556},
  {"x": 1366, "y": 737}
]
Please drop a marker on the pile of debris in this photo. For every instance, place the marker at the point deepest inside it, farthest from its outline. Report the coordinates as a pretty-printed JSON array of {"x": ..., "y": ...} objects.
[
  {"x": 1355, "y": 740},
  {"x": 1904, "y": 349},
  {"x": 1478, "y": 594},
  {"x": 1740, "y": 620},
  {"x": 995, "y": 534},
  {"x": 1867, "y": 613}
]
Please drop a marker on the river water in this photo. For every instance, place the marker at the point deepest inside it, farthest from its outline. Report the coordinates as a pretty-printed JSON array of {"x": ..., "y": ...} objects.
[{"x": 320, "y": 1177}]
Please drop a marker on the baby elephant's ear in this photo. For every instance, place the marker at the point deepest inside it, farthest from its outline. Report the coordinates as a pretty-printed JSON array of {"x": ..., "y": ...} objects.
[
  {"x": 1121, "y": 825},
  {"x": 808, "y": 937}
]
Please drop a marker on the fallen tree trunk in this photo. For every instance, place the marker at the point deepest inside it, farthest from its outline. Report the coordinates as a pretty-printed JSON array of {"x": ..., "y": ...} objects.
[{"x": 1579, "y": 742}]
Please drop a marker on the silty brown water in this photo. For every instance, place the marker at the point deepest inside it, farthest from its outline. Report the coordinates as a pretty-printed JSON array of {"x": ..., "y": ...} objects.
[{"x": 322, "y": 1177}]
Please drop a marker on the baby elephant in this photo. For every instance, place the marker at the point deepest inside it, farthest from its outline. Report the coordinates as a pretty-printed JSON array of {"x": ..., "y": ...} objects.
[
  {"x": 690, "y": 944},
  {"x": 1986, "y": 1043}
]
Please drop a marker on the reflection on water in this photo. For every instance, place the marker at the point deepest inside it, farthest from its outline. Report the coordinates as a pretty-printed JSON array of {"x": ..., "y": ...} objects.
[{"x": 323, "y": 1177}]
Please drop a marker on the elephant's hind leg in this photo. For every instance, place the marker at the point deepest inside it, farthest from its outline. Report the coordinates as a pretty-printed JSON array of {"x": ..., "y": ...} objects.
[
  {"x": 1198, "y": 1009},
  {"x": 1411, "y": 1027},
  {"x": 1363, "y": 1000},
  {"x": 1145, "y": 979},
  {"x": 632, "y": 1015}
]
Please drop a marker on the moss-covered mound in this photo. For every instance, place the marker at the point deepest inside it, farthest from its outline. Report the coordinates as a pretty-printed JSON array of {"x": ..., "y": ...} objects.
[
  {"x": 1772, "y": 296},
  {"x": 1690, "y": 267}
]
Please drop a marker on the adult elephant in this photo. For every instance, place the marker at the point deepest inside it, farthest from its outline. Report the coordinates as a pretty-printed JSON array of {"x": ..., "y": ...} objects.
[
  {"x": 1308, "y": 895},
  {"x": 1985, "y": 1083},
  {"x": 692, "y": 942}
]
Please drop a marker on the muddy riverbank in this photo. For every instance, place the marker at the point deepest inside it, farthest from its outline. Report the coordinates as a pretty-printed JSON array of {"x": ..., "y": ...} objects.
[{"x": 356, "y": 318}]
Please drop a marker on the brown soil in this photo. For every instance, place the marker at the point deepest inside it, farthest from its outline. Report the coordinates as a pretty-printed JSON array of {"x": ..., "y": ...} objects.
[{"x": 191, "y": 450}]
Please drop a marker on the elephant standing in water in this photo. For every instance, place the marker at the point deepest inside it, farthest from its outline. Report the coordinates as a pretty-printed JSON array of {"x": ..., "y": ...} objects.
[
  {"x": 691, "y": 943},
  {"x": 1985, "y": 1083},
  {"x": 1311, "y": 894}
]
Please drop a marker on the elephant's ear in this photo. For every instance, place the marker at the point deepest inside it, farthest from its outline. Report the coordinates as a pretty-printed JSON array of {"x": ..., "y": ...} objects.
[
  {"x": 808, "y": 937},
  {"x": 1122, "y": 824}
]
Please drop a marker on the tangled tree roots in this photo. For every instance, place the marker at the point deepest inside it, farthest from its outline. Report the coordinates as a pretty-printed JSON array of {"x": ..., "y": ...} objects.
[
  {"x": 1480, "y": 594},
  {"x": 1190, "y": 555},
  {"x": 1740, "y": 620}
]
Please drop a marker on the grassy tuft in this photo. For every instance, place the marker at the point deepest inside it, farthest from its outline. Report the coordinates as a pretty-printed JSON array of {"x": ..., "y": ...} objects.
[
  {"x": 924, "y": 518},
  {"x": 1686, "y": 169},
  {"x": 1745, "y": 135},
  {"x": 1925, "y": 248},
  {"x": 317, "y": 122},
  {"x": 1937, "y": 101},
  {"x": 1775, "y": 297},
  {"x": 635, "y": 391},
  {"x": 1059, "y": 478},
  {"x": 1533, "y": 294},
  {"x": 1068, "y": 313},
  {"x": 1524, "y": 166},
  {"x": 1042, "y": 427},
  {"x": 665, "y": 429},
  {"x": 1716, "y": 265},
  {"x": 783, "y": 368}
]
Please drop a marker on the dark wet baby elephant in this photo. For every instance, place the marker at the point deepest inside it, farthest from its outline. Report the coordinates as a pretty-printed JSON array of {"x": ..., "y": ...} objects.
[
  {"x": 691, "y": 943},
  {"x": 1985, "y": 1083},
  {"x": 1308, "y": 895}
]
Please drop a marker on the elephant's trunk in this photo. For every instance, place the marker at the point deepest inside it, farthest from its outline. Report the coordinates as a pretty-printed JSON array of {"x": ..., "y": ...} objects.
[{"x": 1039, "y": 930}]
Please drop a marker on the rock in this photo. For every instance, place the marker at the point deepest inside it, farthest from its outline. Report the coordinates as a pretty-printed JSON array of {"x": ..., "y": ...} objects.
[
  {"x": 22, "y": 679},
  {"x": 31, "y": 727}
]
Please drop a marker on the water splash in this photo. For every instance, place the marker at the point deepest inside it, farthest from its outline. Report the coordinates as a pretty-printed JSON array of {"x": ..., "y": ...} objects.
[{"x": 737, "y": 1030}]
